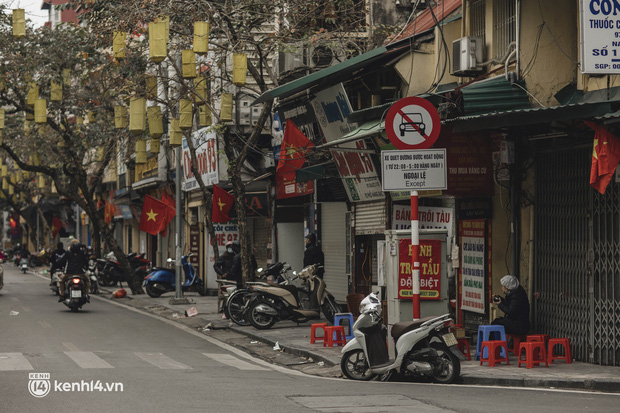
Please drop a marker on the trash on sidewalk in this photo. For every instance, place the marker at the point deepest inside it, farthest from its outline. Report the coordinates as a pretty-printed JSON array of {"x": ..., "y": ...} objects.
[
  {"x": 254, "y": 342},
  {"x": 14, "y": 312},
  {"x": 120, "y": 293},
  {"x": 320, "y": 363},
  {"x": 176, "y": 315},
  {"x": 277, "y": 346},
  {"x": 190, "y": 312}
]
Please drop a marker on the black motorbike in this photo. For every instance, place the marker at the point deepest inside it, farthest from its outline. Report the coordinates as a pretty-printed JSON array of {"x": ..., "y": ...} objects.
[{"x": 75, "y": 294}]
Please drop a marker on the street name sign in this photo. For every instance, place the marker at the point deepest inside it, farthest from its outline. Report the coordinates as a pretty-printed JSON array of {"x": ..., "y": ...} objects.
[{"x": 414, "y": 170}]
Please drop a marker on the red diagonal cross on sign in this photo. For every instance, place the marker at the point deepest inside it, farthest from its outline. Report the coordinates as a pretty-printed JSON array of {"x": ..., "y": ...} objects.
[
  {"x": 412, "y": 123},
  {"x": 400, "y": 112}
]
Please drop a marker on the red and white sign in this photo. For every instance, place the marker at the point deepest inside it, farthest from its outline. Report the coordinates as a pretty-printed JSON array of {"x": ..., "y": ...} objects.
[{"x": 412, "y": 123}]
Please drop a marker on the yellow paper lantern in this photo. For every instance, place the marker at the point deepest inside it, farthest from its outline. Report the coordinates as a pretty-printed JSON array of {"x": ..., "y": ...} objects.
[
  {"x": 155, "y": 146},
  {"x": 156, "y": 125},
  {"x": 137, "y": 115},
  {"x": 1, "y": 118},
  {"x": 200, "y": 90},
  {"x": 120, "y": 117},
  {"x": 19, "y": 23},
  {"x": 240, "y": 69},
  {"x": 79, "y": 120},
  {"x": 166, "y": 20},
  {"x": 176, "y": 135},
  {"x": 2, "y": 196},
  {"x": 118, "y": 45},
  {"x": 33, "y": 94},
  {"x": 140, "y": 151},
  {"x": 186, "y": 119},
  {"x": 61, "y": 144},
  {"x": 100, "y": 155},
  {"x": 226, "y": 107},
  {"x": 29, "y": 116},
  {"x": 66, "y": 77},
  {"x": 55, "y": 91},
  {"x": 158, "y": 42},
  {"x": 188, "y": 59},
  {"x": 11, "y": 190},
  {"x": 201, "y": 37},
  {"x": 36, "y": 159},
  {"x": 92, "y": 116},
  {"x": 0, "y": 136},
  {"x": 41, "y": 182},
  {"x": 19, "y": 176},
  {"x": 3, "y": 170},
  {"x": 40, "y": 111},
  {"x": 5, "y": 184},
  {"x": 204, "y": 116},
  {"x": 151, "y": 86}
]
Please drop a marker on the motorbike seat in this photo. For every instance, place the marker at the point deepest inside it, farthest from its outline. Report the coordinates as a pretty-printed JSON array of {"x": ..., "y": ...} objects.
[
  {"x": 291, "y": 289},
  {"x": 403, "y": 327},
  {"x": 171, "y": 270}
]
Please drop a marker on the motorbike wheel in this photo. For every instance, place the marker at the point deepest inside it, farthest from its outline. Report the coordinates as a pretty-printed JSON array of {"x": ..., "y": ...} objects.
[
  {"x": 104, "y": 278},
  {"x": 355, "y": 367},
  {"x": 330, "y": 308},
  {"x": 236, "y": 308},
  {"x": 259, "y": 320},
  {"x": 152, "y": 291},
  {"x": 451, "y": 365}
]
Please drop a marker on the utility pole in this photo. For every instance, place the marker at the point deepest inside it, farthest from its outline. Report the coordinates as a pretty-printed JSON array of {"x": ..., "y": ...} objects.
[{"x": 178, "y": 296}]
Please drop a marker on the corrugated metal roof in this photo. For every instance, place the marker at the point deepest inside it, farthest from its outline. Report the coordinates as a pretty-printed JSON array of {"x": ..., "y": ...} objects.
[
  {"x": 425, "y": 20},
  {"x": 494, "y": 95}
]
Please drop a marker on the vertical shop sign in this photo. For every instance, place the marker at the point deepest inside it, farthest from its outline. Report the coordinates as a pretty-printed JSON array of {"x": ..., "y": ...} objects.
[
  {"x": 430, "y": 269},
  {"x": 473, "y": 247},
  {"x": 194, "y": 246}
]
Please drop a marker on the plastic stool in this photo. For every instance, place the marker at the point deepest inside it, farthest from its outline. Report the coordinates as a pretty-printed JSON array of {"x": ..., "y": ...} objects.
[
  {"x": 334, "y": 335},
  {"x": 567, "y": 354},
  {"x": 543, "y": 338},
  {"x": 516, "y": 341},
  {"x": 313, "y": 329},
  {"x": 463, "y": 345},
  {"x": 493, "y": 357},
  {"x": 534, "y": 354},
  {"x": 339, "y": 317},
  {"x": 484, "y": 334}
]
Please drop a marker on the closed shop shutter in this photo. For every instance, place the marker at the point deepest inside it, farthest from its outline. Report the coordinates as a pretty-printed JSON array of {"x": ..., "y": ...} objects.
[
  {"x": 334, "y": 246},
  {"x": 261, "y": 236},
  {"x": 370, "y": 218}
]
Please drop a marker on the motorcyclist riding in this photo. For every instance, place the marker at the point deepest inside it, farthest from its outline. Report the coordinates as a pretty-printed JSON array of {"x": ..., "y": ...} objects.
[
  {"x": 76, "y": 263},
  {"x": 57, "y": 258}
]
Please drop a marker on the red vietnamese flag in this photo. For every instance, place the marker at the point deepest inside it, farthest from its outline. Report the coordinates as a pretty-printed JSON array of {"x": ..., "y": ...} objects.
[
  {"x": 56, "y": 226},
  {"x": 605, "y": 157},
  {"x": 293, "y": 150},
  {"x": 222, "y": 204},
  {"x": 108, "y": 212},
  {"x": 153, "y": 216},
  {"x": 171, "y": 210}
]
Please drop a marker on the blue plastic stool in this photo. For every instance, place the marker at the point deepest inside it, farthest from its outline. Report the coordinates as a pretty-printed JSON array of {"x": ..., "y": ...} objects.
[
  {"x": 339, "y": 317},
  {"x": 484, "y": 334}
]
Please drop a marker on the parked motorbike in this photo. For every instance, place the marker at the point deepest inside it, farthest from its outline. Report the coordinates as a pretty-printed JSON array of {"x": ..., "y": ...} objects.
[
  {"x": 54, "y": 285},
  {"x": 110, "y": 272},
  {"x": 23, "y": 265},
  {"x": 75, "y": 295},
  {"x": 270, "y": 304},
  {"x": 91, "y": 273},
  {"x": 238, "y": 299},
  {"x": 424, "y": 348},
  {"x": 163, "y": 280}
]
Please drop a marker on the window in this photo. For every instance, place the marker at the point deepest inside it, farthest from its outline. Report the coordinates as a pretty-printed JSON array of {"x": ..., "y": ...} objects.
[
  {"x": 476, "y": 21},
  {"x": 504, "y": 26}
]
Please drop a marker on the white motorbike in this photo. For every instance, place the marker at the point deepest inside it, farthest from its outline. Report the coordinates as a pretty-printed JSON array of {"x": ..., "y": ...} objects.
[
  {"x": 23, "y": 265},
  {"x": 424, "y": 348}
]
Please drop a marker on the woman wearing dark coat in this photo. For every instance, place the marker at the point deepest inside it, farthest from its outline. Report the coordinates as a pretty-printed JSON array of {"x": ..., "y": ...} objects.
[{"x": 515, "y": 306}]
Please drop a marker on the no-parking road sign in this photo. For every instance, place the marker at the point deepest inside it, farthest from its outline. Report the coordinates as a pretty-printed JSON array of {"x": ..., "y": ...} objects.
[{"x": 412, "y": 123}]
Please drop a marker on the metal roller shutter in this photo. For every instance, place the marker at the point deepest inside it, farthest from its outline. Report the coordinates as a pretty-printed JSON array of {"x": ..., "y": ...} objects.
[
  {"x": 334, "y": 246},
  {"x": 370, "y": 218}
]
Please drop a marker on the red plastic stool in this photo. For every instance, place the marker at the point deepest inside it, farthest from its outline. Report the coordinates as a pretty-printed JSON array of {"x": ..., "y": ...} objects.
[
  {"x": 334, "y": 335},
  {"x": 516, "y": 341},
  {"x": 313, "y": 329},
  {"x": 534, "y": 354},
  {"x": 494, "y": 352},
  {"x": 567, "y": 354},
  {"x": 463, "y": 346},
  {"x": 544, "y": 338}
]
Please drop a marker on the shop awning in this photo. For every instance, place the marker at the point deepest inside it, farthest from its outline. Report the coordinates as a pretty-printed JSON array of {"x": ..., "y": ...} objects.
[
  {"x": 365, "y": 130},
  {"x": 334, "y": 74}
]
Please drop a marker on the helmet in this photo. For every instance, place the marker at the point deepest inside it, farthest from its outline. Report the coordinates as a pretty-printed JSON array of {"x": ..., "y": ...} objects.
[
  {"x": 370, "y": 304},
  {"x": 236, "y": 247},
  {"x": 229, "y": 244},
  {"x": 311, "y": 237},
  {"x": 74, "y": 246}
]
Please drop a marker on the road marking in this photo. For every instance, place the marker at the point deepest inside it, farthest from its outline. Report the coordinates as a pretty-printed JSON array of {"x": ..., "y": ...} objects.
[
  {"x": 88, "y": 360},
  {"x": 70, "y": 346},
  {"x": 367, "y": 403},
  {"x": 13, "y": 362},
  {"x": 45, "y": 324},
  {"x": 26, "y": 309},
  {"x": 161, "y": 361},
  {"x": 233, "y": 361}
]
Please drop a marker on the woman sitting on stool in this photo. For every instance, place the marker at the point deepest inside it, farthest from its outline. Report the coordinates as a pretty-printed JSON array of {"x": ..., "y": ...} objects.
[{"x": 515, "y": 306}]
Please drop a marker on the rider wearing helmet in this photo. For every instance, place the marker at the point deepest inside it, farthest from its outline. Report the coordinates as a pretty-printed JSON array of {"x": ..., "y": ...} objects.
[{"x": 76, "y": 263}]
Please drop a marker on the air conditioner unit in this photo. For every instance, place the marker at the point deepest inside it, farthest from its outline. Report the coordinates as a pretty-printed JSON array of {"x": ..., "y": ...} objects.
[
  {"x": 291, "y": 58},
  {"x": 467, "y": 55},
  {"x": 323, "y": 56}
]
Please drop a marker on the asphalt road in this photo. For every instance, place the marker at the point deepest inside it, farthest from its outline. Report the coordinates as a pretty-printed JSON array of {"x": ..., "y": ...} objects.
[{"x": 107, "y": 358}]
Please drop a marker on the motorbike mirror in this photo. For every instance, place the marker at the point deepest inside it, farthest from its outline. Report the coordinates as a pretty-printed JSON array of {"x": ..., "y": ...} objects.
[
  {"x": 259, "y": 270},
  {"x": 169, "y": 260}
]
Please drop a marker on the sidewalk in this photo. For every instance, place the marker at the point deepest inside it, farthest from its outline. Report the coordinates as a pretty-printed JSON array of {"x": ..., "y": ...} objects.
[{"x": 295, "y": 340}]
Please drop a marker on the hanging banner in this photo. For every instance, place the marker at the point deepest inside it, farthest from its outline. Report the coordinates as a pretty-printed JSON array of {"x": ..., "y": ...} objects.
[
  {"x": 430, "y": 269},
  {"x": 473, "y": 248},
  {"x": 205, "y": 144},
  {"x": 224, "y": 233}
]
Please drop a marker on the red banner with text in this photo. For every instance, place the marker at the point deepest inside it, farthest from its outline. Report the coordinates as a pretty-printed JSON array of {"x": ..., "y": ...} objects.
[{"x": 430, "y": 269}]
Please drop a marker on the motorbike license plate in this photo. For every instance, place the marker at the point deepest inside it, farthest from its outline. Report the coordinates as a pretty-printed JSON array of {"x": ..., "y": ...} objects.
[
  {"x": 76, "y": 294},
  {"x": 449, "y": 339}
]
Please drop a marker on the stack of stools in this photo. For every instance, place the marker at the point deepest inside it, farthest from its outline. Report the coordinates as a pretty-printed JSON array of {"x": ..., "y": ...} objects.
[
  {"x": 567, "y": 354},
  {"x": 494, "y": 350},
  {"x": 313, "y": 329},
  {"x": 334, "y": 335},
  {"x": 516, "y": 341},
  {"x": 348, "y": 317},
  {"x": 490, "y": 333},
  {"x": 535, "y": 354}
]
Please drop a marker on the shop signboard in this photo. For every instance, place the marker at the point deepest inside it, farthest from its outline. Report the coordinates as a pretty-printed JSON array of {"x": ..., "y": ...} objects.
[
  {"x": 600, "y": 37},
  {"x": 205, "y": 143},
  {"x": 430, "y": 269},
  {"x": 473, "y": 265}
]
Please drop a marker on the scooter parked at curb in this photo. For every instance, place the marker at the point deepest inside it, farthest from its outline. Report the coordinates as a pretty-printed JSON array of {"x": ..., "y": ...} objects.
[
  {"x": 424, "y": 348},
  {"x": 163, "y": 280},
  {"x": 75, "y": 295},
  {"x": 276, "y": 303}
]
